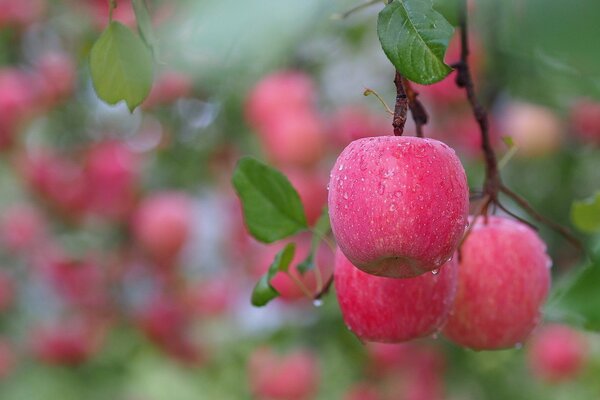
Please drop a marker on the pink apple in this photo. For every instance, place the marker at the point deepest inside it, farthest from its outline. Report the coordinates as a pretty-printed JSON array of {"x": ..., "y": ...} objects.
[
  {"x": 398, "y": 205},
  {"x": 17, "y": 98},
  {"x": 69, "y": 342},
  {"x": 381, "y": 309},
  {"x": 111, "y": 173},
  {"x": 294, "y": 138},
  {"x": 162, "y": 224},
  {"x": 22, "y": 227},
  {"x": 557, "y": 353},
  {"x": 18, "y": 13},
  {"x": 535, "y": 130},
  {"x": 277, "y": 94},
  {"x": 213, "y": 296},
  {"x": 293, "y": 376},
  {"x": 57, "y": 75},
  {"x": 504, "y": 276},
  {"x": 585, "y": 119}
]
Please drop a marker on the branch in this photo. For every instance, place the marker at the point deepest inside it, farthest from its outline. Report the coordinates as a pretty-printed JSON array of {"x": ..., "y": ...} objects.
[
  {"x": 464, "y": 79},
  {"x": 540, "y": 218},
  {"x": 401, "y": 106}
]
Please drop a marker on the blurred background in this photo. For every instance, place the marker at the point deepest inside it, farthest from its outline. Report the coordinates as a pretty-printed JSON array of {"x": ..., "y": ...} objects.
[{"x": 125, "y": 267}]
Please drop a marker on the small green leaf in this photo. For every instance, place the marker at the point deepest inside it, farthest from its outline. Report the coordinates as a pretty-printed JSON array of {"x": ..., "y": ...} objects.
[
  {"x": 271, "y": 205},
  {"x": 121, "y": 66},
  {"x": 144, "y": 25},
  {"x": 323, "y": 224},
  {"x": 263, "y": 292},
  {"x": 449, "y": 9},
  {"x": 508, "y": 141},
  {"x": 586, "y": 214},
  {"x": 578, "y": 301},
  {"x": 415, "y": 37}
]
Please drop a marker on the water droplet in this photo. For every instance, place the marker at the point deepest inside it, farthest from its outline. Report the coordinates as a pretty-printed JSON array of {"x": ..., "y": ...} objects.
[
  {"x": 381, "y": 188},
  {"x": 392, "y": 207},
  {"x": 341, "y": 167},
  {"x": 317, "y": 302},
  {"x": 346, "y": 196},
  {"x": 519, "y": 346},
  {"x": 435, "y": 335},
  {"x": 435, "y": 271}
]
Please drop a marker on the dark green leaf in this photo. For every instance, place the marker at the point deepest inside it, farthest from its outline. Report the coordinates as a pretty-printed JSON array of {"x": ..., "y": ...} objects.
[
  {"x": 449, "y": 9},
  {"x": 263, "y": 291},
  {"x": 121, "y": 66},
  {"x": 415, "y": 37},
  {"x": 586, "y": 214},
  {"x": 271, "y": 205},
  {"x": 144, "y": 24}
]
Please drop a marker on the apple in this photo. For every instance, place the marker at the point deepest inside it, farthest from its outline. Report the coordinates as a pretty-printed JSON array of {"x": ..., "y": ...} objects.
[
  {"x": 398, "y": 205},
  {"x": 68, "y": 342},
  {"x": 382, "y": 309},
  {"x": 557, "y": 353},
  {"x": 292, "y": 376},
  {"x": 585, "y": 119},
  {"x": 277, "y": 94},
  {"x": 169, "y": 86},
  {"x": 111, "y": 171},
  {"x": 312, "y": 189},
  {"x": 535, "y": 130},
  {"x": 21, "y": 227},
  {"x": 161, "y": 224},
  {"x": 57, "y": 74},
  {"x": 503, "y": 280}
]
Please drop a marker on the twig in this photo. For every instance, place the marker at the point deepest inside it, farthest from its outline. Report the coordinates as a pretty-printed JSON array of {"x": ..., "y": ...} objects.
[
  {"x": 401, "y": 106},
  {"x": 540, "y": 218},
  {"x": 417, "y": 110},
  {"x": 325, "y": 289},
  {"x": 369, "y": 92},
  {"x": 354, "y": 9}
]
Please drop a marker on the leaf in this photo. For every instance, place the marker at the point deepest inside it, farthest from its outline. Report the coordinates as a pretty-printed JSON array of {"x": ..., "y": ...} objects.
[
  {"x": 263, "y": 292},
  {"x": 449, "y": 9},
  {"x": 272, "y": 207},
  {"x": 121, "y": 66},
  {"x": 586, "y": 214},
  {"x": 415, "y": 37},
  {"x": 307, "y": 264},
  {"x": 578, "y": 300},
  {"x": 321, "y": 228},
  {"x": 508, "y": 141},
  {"x": 323, "y": 224},
  {"x": 144, "y": 25}
]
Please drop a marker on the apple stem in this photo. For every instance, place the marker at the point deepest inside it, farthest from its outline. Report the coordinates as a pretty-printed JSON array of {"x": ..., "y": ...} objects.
[{"x": 401, "y": 106}]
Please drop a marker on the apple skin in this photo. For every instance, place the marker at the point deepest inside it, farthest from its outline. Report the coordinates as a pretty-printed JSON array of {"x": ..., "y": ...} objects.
[
  {"x": 398, "y": 205},
  {"x": 162, "y": 224},
  {"x": 557, "y": 353},
  {"x": 504, "y": 277},
  {"x": 585, "y": 120},
  {"x": 389, "y": 310},
  {"x": 292, "y": 376}
]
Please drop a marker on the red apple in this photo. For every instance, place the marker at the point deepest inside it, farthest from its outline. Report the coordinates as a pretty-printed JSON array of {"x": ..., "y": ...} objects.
[
  {"x": 57, "y": 77},
  {"x": 312, "y": 189},
  {"x": 162, "y": 224},
  {"x": 504, "y": 276},
  {"x": 382, "y": 309},
  {"x": 557, "y": 353},
  {"x": 169, "y": 86},
  {"x": 70, "y": 342},
  {"x": 398, "y": 205},
  {"x": 293, "y": 376},
  {"x": 22, "y": 227}
]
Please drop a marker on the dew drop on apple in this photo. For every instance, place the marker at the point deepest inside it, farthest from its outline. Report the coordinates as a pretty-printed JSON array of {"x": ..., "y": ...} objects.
[
  {"x": 435, "y": 271},
  {"x": 317, "y": 302}
]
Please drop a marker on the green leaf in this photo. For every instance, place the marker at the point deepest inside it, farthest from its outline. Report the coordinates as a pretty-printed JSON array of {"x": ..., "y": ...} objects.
[
  {"x": 321, "y": 228},
  {"x": 577, "y": 301},
  {"x": 144, "y": 25},
  {"x": 449, "y": 9},
  {"x": 271, "y": 205},
  {"x": 307, "y": 264},
  {"x": 586, "y": 214},
  {"x": 508, "y": 141},
  {"x": 323, "y": 224},
  {"x": 415, "y": 37},
  {"x": 263, "y": 292},
  {"x": 121, "y": 66}
]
